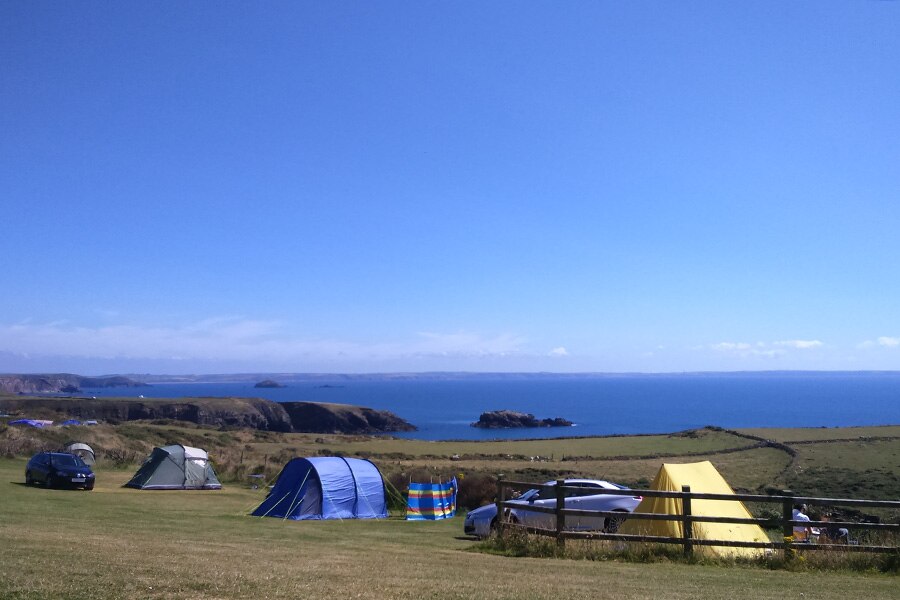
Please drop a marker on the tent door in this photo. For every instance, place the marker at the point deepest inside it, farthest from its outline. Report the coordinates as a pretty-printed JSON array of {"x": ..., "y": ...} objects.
[{"x": 194, "y": 473}]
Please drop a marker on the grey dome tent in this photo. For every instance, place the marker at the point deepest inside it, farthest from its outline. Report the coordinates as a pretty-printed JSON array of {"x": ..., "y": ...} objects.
[
  {"x": 82, "y": 451},
  {"x": 176, "y": 468}
]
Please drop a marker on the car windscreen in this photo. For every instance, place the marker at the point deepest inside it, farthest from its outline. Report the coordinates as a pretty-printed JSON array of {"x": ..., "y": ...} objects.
[
  {"x": 530, "y": 494},
  {"x": 66, "y": 460}
]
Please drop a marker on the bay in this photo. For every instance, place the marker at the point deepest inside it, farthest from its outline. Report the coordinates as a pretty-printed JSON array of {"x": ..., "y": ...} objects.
[{"x": 443, "y": 408}]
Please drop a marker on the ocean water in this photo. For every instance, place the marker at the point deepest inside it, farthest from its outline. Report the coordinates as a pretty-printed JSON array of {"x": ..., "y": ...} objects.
[{"x": 621, "y": 404}]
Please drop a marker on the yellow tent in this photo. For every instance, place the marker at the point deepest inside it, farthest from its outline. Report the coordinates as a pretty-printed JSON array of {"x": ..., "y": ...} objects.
[{"x": 703, "y": 478}]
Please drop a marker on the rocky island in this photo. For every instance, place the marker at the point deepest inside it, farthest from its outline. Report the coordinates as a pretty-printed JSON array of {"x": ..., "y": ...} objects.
[
  {"x": 510, "y": 419},
  {"x": 269, "y": 383}
]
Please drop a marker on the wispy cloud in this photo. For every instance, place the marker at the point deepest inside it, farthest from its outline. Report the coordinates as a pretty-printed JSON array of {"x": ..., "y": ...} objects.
[
  {"x": 799, "y": 344},
  {"x": 765, "y": 349},
  {"x": 240, "y": 339},
  {"x": 560, "y": 351},
  {"x": 744, "y": 349},
  {"x": 731, "y": 346},
  {"x": 881, "y": 342}
]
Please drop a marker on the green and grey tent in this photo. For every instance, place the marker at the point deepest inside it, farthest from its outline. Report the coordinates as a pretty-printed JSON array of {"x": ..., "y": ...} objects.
[{"x": 176, "y": 468}]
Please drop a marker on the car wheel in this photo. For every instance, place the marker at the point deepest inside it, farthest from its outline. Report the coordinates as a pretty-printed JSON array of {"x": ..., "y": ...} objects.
[
  {"x": 28, "y": 478},
  {"x": 493, "y": 528},
  {"x": 612, "y": 524}
]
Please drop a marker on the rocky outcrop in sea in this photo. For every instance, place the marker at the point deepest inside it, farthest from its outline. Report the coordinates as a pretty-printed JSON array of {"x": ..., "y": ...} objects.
[{"x": 510, "y": 419}]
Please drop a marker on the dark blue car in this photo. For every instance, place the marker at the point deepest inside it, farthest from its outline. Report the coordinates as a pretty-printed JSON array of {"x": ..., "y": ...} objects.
[{"x": 59, "y": 470}]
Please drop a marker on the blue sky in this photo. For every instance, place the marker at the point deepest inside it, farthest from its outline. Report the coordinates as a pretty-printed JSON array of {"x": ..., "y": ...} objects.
[{"x": 418, "y": 186}]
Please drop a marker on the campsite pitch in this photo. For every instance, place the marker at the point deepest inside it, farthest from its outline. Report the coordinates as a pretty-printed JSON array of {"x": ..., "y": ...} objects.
[{"x": 118, "y": 542}]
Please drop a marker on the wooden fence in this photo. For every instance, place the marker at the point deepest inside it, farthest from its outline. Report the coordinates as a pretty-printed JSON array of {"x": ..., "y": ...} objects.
[{"x": 785, "y": 522}]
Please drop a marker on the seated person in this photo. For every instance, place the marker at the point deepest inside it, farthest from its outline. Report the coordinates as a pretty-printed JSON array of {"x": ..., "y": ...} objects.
[
  {"x": 801, "y": 533},
  {"x": 835, "y": 534}
]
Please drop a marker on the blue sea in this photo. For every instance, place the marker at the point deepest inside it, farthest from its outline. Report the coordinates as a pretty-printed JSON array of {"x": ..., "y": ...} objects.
[{"x": 443, "y": 409}]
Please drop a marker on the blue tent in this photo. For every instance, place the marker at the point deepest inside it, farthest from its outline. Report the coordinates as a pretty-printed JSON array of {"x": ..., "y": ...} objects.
[{"x": 326, "y": 487}]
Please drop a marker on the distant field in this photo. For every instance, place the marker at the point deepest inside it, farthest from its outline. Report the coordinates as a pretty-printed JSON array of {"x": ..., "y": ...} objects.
[
  {"x": 123, "y": 543},
  {"x": 825, "y": 433},
  {"x": 699, "y": 441}
]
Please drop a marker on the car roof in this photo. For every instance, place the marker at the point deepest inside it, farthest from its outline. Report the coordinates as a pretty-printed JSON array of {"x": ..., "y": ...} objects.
[{"x": 597, "y": 482}]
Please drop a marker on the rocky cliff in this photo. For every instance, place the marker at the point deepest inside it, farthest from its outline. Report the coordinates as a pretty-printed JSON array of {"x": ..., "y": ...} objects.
[
  {"x": 255, "y": 413},
  {"x": 320, "y": 417}
]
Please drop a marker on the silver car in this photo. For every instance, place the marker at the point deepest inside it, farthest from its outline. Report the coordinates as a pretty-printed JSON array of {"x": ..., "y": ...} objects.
[{"x": 480, "y": 521}]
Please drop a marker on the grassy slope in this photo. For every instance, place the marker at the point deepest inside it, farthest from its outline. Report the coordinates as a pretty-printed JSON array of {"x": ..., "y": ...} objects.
[
  {"x": 123, "y": 543},
  {"x": 858, "y": 462}
]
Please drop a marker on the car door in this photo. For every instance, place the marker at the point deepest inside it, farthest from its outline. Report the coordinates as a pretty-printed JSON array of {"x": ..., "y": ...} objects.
[
  {"x": 41, "y": 468},
  {"x": 545, "y": 497},
  {"x": 588, "y": 497}
]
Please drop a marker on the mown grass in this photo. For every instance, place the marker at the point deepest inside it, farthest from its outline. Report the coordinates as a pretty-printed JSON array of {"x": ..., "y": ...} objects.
[{"x": 123, "y": 543}]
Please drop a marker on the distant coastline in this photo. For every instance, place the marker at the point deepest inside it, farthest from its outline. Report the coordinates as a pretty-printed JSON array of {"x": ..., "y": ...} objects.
[
  {"x": 443, "y": 405},
  {"x": 478, "y": 376}
]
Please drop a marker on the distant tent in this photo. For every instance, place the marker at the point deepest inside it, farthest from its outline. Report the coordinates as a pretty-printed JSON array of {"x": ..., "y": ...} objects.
[
  {"x": 704, "y": 478},
  {"x": 39, "y": 423},
  {"x": 176, "y": 468},
  {"x": 82, "y": 450},
  {"x": 431, "y": 501},
  {"x": 71, "y": 422},
  {"x": 326, "y": 487}
]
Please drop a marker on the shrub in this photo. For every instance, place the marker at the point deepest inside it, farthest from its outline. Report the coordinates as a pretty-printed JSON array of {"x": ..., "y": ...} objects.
[{"x": 476, "y": 489}]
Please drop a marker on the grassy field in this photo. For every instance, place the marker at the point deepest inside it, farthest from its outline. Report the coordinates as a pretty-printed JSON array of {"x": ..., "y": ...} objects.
[
  {"x": 824, "y": 434},
  {"x": 123, "y": 543},
  {"x": 863, "y": 462}
]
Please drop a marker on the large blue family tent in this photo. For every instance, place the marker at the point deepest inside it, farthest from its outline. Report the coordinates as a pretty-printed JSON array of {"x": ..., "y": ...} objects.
[{"x": 326, "y": 487}]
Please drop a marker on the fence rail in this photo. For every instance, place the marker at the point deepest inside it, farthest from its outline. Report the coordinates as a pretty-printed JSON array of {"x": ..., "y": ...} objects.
[{"x": 786, "y": 501}]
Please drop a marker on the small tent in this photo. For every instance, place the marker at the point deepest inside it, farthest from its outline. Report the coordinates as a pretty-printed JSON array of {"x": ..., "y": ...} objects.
[
  {"x": 702, "y": 477},
  {"x": 326, "y": 487},
  {"x": 176, "y": 468},
  {"x": 81, "y": 450}
]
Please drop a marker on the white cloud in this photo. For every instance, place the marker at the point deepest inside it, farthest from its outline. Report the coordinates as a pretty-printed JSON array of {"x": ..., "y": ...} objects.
[
  {"x": 883, "y": 341},
  {"x": 561, "y": 351},
  {"x": 799, "y": 344},
  {"x": 731, "y": 346}
]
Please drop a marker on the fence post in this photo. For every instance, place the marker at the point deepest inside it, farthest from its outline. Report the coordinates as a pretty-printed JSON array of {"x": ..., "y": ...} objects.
[
  {"x": 787, "y": 530},
  {"x": 688, "y": 522},
  {"x": 501, "y": 498},
  {"x": 560, "y": 515}
]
